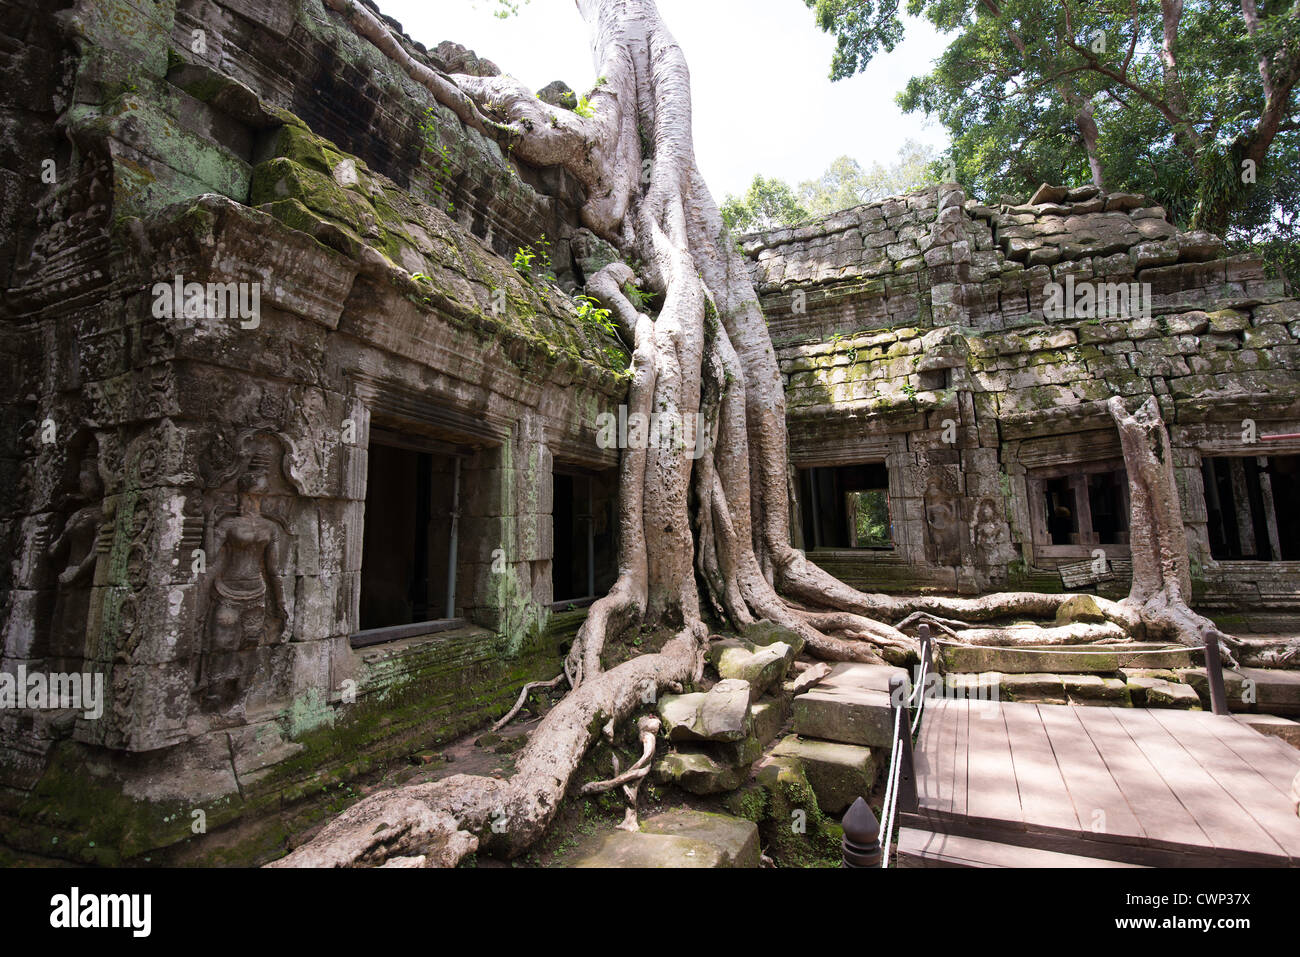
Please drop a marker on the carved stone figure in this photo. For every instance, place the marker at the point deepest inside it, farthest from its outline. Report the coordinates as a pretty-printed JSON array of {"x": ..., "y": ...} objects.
[
  {"x": 942, "y": 520},
  {"x": 242, "y": 594},
  {"x": 73, "y": 553}
]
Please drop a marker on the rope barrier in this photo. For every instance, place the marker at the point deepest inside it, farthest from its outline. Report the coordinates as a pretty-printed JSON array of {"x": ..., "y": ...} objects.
[
  {"x": 891, "y": 788},
  {"x": 889, "y": 808},
  {"x": 918, "y": 694}
]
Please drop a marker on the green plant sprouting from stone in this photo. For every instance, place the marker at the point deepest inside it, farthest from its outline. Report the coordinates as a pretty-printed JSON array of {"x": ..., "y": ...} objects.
[
  {"x": 601, "y": 321},
  {"x": 534, "y": 261}
]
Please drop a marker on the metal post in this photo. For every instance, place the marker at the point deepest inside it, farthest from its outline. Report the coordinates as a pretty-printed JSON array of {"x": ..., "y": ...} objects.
[
  {"x": 907, "y": 802},
  {"x": 451, "y": 538},
  {"x": 1214, "y": 671},
  {"x": 861, "y": 844}
]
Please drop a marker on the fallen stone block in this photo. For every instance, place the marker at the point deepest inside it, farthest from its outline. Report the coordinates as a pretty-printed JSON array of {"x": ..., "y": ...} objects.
[
  {"x": 1096, "y": 690},
  {"x": 719, "y": 714},
  {"x": 809, "y": 678},
  {"x": 854, "y": 674},
  {"x": 736, "y": 839},
  {"x": 699, "y": 772},
  {"x": 1033, "y": 688},
  {"x": 768, "y": 632},
  {"x": 770, "y": 716},
  {"x": 849, "y": 715},
  {"x": 1261, "y": 690},
  {"x": 679, "y": 838},
  {"x": 1159, "y": 693},
  {"x": 796, "y": 833},
  {"x": 1163, "y": 674},
  {"x": 760, "y": 665},
  {"x": 839, "y": 773},
  {"x": 1082, "y": 608}
]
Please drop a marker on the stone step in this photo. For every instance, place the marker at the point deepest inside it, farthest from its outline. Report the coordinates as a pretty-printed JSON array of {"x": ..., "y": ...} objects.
[
  {"x": 838, "y": 773},
  {"x": 1063, "y": 659},
  {"x": 920, "y": 848},
  {"x": 854, "y": 674},
  {"x": 677, "y": 838},
  {"x": 846, "y": 714},
  {"x": 1259, "y": 690},
  {"x": 1134, "y": 688}
]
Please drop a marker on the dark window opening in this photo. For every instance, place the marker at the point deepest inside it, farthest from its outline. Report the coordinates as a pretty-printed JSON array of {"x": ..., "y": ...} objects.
[
  {"x": 846, "y": 507},
  {"x": 1109, "y": 508},
  {"x": 1252, "y": 512},
  {"x": 406, "y": 548},
  {"x": 584, "y": 562},
  {"x": 1081, "y": 506},
  {"x": 1062, "y": 515}
]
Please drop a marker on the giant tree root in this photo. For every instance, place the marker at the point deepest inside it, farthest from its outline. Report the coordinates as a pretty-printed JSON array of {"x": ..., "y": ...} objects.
[{"x": 447, "y": 820}]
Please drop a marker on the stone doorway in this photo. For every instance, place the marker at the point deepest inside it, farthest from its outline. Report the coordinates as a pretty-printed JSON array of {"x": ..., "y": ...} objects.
[{"x": 847, "y": 506}]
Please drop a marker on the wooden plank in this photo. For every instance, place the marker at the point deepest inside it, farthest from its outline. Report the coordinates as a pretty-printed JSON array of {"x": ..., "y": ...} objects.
[
  {"x": 990, "y": 772},
  {"x": 920, "y": 848},
  {"x": 1149, "y": 798},
  {"x": 1275, "y": 760},
  {"x": 1210, "y": 805},
  {"x": 1087, "y": 777},
  {"x": 1256, "y": 797},
  {"x": 927, "y": 757},
  {"x": 1044, "y": 798},
  {"x": 961, "y": 757}
]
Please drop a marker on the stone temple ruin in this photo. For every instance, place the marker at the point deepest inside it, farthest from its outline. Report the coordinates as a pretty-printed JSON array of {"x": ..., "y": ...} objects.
[{"x": 299, "y": 461}]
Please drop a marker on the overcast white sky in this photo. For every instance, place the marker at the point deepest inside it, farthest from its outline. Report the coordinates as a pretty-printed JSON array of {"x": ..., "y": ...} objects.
[{"x": 763, "y": 103}]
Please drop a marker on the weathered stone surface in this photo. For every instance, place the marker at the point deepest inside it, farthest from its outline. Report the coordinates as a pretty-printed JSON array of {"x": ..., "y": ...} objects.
[
  {"x": 1149, "y": 692},
  {"x": 853, "y": 674},
  {"x": 736, "y": 839},
  {"x": 1036, "y": 688},
  {"x": 1096, "y": 690},
  {"x": 848, "y": 715},
  {"x": 838, "y": 773},
  {"x": 1251, "y": 689},
  {"x": 699, "y": 772},
  {"x": 1064, "y": 659},
  {"x": 720, "y": 714},
  {"x": 1049, "y": 194},
  {"x": 674, "y": 839},
  {"x": 769, "y": 632},
  {"x": 760, "y": 666},
  {"x": 770, "y": 716}
]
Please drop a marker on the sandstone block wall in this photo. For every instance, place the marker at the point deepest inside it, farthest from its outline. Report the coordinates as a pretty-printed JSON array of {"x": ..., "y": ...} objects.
[
  {"x": 899, "y": 318},
  {"x": 185, "y": 495}
]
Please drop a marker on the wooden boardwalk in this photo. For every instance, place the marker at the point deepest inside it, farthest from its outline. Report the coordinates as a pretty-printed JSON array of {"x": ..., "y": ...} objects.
[{"x": 1131, "y": 785}]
